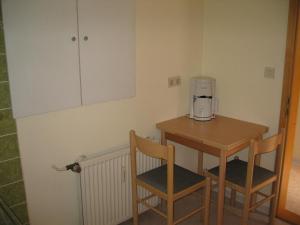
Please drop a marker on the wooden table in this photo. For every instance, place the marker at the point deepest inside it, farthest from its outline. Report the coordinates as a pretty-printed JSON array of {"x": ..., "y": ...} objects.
[{"x": 221, "y": 137}]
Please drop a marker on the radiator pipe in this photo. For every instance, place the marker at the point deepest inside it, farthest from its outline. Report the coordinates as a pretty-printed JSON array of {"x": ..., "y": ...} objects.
[{"x": 75, "y": 167}]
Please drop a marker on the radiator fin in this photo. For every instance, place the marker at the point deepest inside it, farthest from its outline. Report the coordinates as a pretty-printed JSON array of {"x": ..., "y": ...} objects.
[{"x": 106, "y": 187}]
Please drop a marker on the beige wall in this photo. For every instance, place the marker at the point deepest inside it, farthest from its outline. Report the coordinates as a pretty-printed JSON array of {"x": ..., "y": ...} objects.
[
  {"x": 167, "y": 32},
  {"x": 240, "y": 38},
  {"x": 231, "y": 40}
]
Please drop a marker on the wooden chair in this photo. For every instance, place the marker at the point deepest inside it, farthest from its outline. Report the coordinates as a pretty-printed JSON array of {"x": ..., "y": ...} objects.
[
  {"x": 169, "y": 181},
  {"x": 248, "y": 178}
]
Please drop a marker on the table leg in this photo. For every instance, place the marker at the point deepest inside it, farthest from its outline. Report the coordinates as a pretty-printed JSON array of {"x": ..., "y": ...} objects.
[
  {"x": 257, "y": 163},
  {"x": 200, "y": 171},
  {"x": 200, "y": 163},
  {"x": 163, "y": 139},
  {"x": 221, "y": 192},
  {"x": 258, "y": 157}
]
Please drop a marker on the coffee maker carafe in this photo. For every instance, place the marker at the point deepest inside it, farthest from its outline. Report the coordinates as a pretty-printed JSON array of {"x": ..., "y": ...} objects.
[{"x": 203, "y": 103}]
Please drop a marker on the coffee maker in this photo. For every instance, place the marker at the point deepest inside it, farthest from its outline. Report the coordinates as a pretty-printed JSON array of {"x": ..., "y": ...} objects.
[{"x": 203, "y": 103}]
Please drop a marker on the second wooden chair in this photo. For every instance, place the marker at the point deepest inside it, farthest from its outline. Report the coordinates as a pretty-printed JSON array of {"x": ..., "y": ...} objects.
[{"x": 248, "y": 178}]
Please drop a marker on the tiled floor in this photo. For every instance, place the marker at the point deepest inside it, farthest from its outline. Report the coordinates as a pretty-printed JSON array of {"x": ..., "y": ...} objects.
[
  {"x": 293, "y": 195},
  {"x": 150, "y": 218}
]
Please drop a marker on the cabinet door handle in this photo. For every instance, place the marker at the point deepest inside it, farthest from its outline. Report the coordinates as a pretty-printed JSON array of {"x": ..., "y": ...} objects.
[
  {"x": 86, "y": 38},
  {"x": 73, "y": 38}
]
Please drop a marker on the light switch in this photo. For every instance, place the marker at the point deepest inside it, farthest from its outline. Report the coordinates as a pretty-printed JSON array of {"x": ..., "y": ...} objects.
[{"x": 269, "y": 72}]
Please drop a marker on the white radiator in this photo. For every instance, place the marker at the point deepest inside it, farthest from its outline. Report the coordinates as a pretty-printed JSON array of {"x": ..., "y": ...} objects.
[{"x": 106, "y": 186}]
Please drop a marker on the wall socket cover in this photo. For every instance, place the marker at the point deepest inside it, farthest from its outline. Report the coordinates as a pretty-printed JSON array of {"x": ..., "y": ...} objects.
[
  {"x": 269, "y": 72},
  {"x": 174, "y": 81}
]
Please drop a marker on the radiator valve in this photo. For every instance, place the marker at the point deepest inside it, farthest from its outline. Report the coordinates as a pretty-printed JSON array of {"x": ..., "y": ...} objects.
[{"x": 75, "y": 167}]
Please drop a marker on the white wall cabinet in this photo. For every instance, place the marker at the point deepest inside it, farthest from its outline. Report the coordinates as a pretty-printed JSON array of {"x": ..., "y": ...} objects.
[
  {"x": 108, "y": 56},
  {"x": 66, "y": 53}
]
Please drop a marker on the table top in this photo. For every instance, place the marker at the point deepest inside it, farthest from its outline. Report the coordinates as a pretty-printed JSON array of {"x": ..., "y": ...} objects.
[{"x": 222, "y": 132}]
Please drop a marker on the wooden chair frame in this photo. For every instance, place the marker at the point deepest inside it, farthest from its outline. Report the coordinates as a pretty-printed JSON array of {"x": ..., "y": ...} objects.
[
  {"x": 258, "y": 147},
  {"x": 165, "y": 153}
]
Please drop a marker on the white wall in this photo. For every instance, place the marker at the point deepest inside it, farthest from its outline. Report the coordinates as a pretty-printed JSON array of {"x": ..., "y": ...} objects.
[
  {"x": 240, "y": 38},
  {"x": 166, "y": 34}
]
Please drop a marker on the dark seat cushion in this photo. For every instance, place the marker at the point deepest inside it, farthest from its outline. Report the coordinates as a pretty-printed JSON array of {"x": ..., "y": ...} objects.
[
  {"x": 236, "y": 172},
  {"x": 183, "y": 178}
]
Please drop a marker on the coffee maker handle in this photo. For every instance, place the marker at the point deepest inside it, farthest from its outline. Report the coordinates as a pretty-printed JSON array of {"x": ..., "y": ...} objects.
[
  {"x": 192, "y": 107},
  {"x": 215, "y": 106}
]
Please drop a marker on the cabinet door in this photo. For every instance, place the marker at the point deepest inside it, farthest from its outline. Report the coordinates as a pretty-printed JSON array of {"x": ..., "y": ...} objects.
[
  {"x": 107, "y": 49},
  {"x": 42, "y": 51}
]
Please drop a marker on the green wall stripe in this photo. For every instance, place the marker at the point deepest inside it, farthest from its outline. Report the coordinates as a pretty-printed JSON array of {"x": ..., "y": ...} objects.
[{"x": 11, "y": 184}]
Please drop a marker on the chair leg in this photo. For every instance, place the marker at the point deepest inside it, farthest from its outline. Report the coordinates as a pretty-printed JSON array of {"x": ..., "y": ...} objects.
[
  {"x": 273, "y": 203},
  {"x": 170, "y": 212},
  {"x": 233, "y": 192},
  {"x": 135, "y": 213},
  {"x": 272, "y": 211},
  {"x": 232, "y": 197},
  {"x": 207, "y": 200},
  {"x": 245, "y": 214},
  {"x": 253, "y": 200},
  {"x": 163, "y": 203}
]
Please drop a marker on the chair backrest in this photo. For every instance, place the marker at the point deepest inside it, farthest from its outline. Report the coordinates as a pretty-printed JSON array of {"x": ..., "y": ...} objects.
[
  {"x": 154, "y": 150},
  {"x": 148, "y": 147},
  {"x": 268, "y": 145}
]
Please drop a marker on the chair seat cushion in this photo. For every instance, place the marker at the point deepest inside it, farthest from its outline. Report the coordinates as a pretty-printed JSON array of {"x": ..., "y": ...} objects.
[
  {"x": 236, "y": 172},
  {"x": 183, "y": 178}
]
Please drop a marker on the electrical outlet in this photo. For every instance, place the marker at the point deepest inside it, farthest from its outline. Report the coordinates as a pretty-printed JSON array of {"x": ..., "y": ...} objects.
[
  {"x": 269, "y": 72},
  {"x": 178, "y": 81},
  {"x": 171, "y": 82},
  {"x": 174, "y": 81}
]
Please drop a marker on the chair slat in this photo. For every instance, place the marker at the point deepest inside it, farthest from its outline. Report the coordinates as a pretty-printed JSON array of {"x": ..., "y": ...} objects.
[
  {"x": 151, "y": 149},
  {"x": 269, "y": 145}
]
